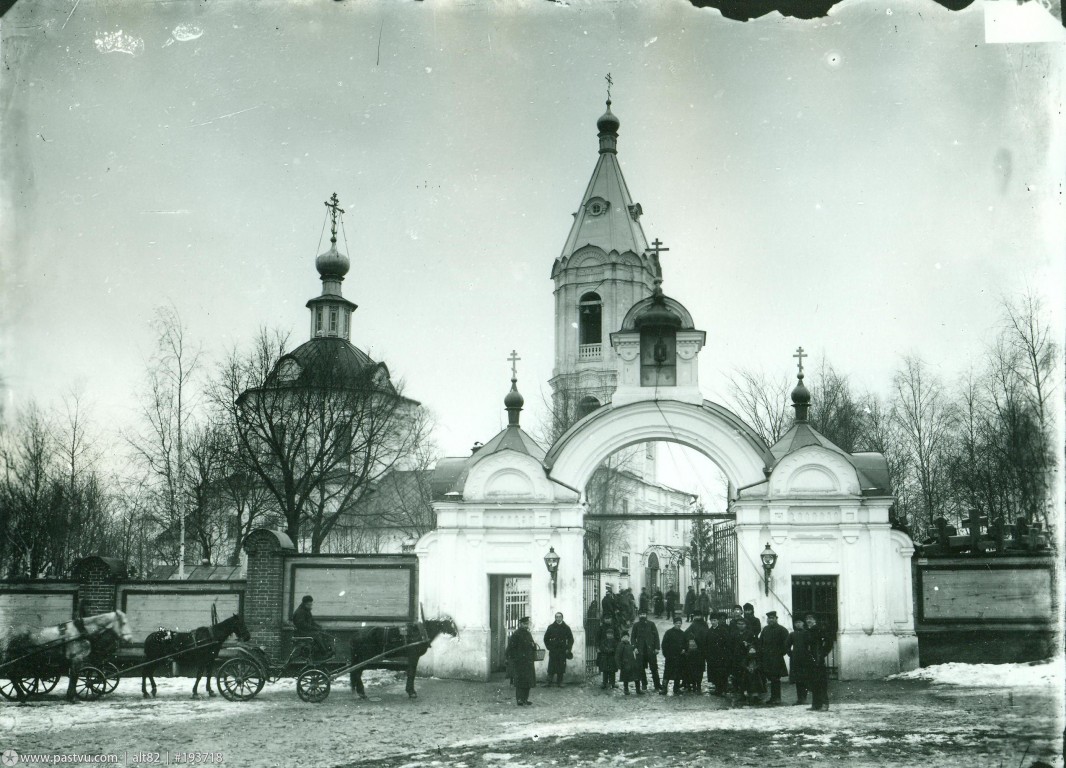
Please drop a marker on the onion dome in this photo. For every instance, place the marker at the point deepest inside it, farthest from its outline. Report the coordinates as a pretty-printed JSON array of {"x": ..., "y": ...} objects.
[
  {"x": 513, "y": 402},
  {"x": 608, "y": 127},
  {"x": 608, "y": 122},
  {"x": 332, "y": 264}
]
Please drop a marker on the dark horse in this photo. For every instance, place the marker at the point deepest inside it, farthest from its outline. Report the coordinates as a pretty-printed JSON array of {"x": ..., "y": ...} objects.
[
  {"x": 69, "y": 644},
  {"x": 373, "y": 641},
  {"x": 200, "y": 647}
]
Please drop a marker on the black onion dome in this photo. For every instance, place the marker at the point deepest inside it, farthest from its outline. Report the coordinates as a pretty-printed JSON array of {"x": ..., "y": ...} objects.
[
  {"x": 608, "y": 123},
  {"x": 332, "y": 263},
  {"x": 514, "y": 399}
]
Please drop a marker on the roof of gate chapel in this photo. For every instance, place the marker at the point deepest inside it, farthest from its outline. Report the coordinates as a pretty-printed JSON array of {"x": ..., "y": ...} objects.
[{"x": 870, "y": 467}]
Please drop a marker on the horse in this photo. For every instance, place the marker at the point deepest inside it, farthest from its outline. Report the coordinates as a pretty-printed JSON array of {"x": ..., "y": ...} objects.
[
  {"x": 373, "y": 641},
  {"x": 31, "y": 648},
  {"x": 201, "y": 647}
]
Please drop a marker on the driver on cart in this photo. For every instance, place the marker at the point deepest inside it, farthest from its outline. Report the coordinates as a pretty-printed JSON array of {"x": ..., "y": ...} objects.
[{"x": 307, "y": 626}]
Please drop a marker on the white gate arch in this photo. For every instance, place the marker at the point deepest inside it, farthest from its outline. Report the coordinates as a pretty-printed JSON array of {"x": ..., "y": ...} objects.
[{"x": 715, "y": 431}]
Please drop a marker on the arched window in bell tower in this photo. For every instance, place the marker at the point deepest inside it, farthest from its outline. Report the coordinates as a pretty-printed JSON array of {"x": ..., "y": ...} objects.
[
  {"x": 585, "y": 406},
  {"x": 590, "y": 326}
]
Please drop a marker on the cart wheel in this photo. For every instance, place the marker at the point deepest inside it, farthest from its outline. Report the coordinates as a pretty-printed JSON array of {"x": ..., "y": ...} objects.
[
  {"x": 240, "y": 679},
  {"x": 47, "y": 684},
  {"x": 91, "y": 684},
  {"x": 312, "y": 685},
  {"x": 14, "y": 688},
  {"x": 111, "y": 676}
]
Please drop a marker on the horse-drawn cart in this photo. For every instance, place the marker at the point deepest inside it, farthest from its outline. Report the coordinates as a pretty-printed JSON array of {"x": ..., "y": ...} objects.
[
  {"x": 242, "y": 676},
  {"x": 33, "y": 659}
]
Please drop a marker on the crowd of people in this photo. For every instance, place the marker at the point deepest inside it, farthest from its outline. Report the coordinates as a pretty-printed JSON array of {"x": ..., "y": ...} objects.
[{"x": 733, "y": 652}]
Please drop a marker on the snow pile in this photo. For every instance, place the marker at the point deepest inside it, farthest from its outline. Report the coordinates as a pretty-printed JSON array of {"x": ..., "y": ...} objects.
[{"x": 1032, "y": 675}]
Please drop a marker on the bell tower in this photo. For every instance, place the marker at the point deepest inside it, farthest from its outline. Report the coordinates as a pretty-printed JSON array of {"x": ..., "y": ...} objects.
[{"x": 603, "y": 270}]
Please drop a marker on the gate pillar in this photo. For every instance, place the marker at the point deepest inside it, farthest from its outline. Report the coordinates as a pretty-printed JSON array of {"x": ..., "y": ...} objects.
[{"x": 264, "y": 588}]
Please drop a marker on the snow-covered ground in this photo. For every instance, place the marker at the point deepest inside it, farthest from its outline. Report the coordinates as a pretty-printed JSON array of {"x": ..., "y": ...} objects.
[
  {"x": 1039, "y": 673},
  {"x": 935, "y": 717}
]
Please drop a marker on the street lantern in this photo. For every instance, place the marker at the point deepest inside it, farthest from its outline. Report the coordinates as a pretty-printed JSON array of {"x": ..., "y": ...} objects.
[
  {"x": 551, "y": 560},
  {"x": 769, "y": 560}
]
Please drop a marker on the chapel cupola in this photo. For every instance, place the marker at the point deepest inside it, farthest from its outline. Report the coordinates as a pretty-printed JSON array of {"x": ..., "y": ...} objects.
[
  {"x": 656, "y": 350},
  {"x": 331, "y": 313},
  {"x": 801, "y": 396}
]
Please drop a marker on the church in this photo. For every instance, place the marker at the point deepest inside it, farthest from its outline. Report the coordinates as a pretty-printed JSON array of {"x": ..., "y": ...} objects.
[{"x": 811, "y": 530}]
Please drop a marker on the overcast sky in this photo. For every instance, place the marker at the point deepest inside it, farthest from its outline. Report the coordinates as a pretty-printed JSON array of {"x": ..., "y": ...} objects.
[{"x": 864, "y": 185}]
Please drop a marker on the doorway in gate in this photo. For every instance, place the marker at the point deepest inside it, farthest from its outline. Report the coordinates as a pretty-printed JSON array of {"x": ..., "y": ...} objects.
[
  {"x": 818, "y": 595},
  {"x": 508, "y": 602}
]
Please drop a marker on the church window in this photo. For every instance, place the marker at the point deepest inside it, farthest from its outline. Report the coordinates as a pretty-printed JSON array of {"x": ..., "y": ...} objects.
[
  {"x": 658, "y": 357},
  {"x": 333, "y": 321},
  {"x": 318, "y": 320},
  {"x": 590, "y": 311}
]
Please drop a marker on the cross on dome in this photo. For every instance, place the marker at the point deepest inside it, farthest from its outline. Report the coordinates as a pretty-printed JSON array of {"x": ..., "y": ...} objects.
[
  {"x": 334, "y": 209},
  {"x": 800, "y": 354}
]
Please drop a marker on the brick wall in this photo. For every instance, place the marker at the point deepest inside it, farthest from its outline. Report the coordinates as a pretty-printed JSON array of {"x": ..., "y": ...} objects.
[
  {"x": 264, "y": 593},
  {"x": 97, "y": 581}
]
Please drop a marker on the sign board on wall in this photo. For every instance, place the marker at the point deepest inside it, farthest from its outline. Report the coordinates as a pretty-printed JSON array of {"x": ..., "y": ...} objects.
[
  {"x": 365, "y": 592},
  {"x": 997, "y": 594},
  {"x": 182, "y": 611},
  {"x": 35, "y": 609}
]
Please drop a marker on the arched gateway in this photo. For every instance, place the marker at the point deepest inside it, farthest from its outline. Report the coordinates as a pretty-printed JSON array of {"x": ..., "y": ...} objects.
[
  {"x": 509, "y": 510},
  {"x": 707, "y": 427}
]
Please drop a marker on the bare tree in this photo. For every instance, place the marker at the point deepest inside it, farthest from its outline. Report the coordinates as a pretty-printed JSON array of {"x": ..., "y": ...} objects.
[
  {"x": 763, "y": 401},
  {"x": 318, "y": 438},
  {"x": 168, "y": 407},
  {"x": 29, "y": 494},
  {"x": 926, "y": 419},
  {"x": 837, "y": 411}
]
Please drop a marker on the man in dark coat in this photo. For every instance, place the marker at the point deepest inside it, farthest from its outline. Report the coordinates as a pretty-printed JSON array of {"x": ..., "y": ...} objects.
[
  {"x": 819, "y": 643},
  {"x": 703, "y": 603},
  {"x": 773, "y": 645},
  {"x": 643, "y": 602},
  {"x": 697, "y": 631},
  {"x": 559, "y": 641},
  {"x": 799, "y": 664},
  {"x": 671, "y": 603},
  {"x": 659, "y": 604},
  {"x": 306, "y": 626},
  {"x": 675, "y": 644},
  {"x": 607, "y": 606},
  {"x": 645, "y": 637},
  {"x": 690, "y": 603},
  {"x": 717, "y": 652},
  {"x": 751, "y": 620},
  {"x": 521, "y": 652}
]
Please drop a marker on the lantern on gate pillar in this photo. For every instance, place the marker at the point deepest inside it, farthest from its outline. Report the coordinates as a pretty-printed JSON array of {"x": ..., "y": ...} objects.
[
  {"x": 769, "y": 560},
  {"x": 551, "y": 560}
]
